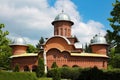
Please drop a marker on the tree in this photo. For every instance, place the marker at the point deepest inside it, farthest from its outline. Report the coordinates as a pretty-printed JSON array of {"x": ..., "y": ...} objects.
[
  {"x": 5, "y": 50},
  {"x": 57, "y": 75},
  {"x": 87, "y": 48},
  {"x": 16, "y": 69},
  {"x": 54, "y": 65},
  {"x": 31, "y": 49},
  {"x": 113, "y": 37},
  {"x": 40, "y": 69},
  {"x": 39, "y": 45}
]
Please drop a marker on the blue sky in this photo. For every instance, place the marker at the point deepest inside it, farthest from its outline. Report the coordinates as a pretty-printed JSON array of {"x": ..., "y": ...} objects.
[{"x": 31, "y": 19}]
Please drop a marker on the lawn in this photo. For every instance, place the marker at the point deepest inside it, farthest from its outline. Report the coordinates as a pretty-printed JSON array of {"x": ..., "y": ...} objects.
[
  {"x": 45, "y": 79},
  {"x": 50, "y": 79}
]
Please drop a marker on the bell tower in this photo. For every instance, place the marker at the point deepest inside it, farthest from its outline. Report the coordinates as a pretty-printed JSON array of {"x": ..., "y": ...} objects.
[{"x": 62, "y": 25}]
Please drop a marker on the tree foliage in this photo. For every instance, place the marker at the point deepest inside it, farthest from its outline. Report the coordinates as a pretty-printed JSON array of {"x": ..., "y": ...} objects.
[
  {"x": 57, "y": 75},
  {"x": 40, "y": 43},
  {"x": 113, "y": 37},
  {"x": 88, "y": 48},
  {"x": 16, "y": 69},
  {"x": 5, "y": 50},
  {"x": 54, "y": 65},
  {"x": 31, "y": 49},
  {"x": 40, "y": 68},
  {"x": 114, "y": 62}
]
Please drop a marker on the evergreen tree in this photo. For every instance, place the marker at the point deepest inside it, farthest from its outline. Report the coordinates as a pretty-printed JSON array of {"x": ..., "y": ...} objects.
[
  {"x": 57, "y": 75},
  {"x": 39, "y": 45},
  {"x": 16, "y": 69},
  {"x": 31, "y": 49},
  {"x": 88, "y": 48},
  {"x": 40, "y": 69},
  {"x": 113, "y": 37},
  {"x": 54, "y": 65},
  {"x": 5, "y": 50}
]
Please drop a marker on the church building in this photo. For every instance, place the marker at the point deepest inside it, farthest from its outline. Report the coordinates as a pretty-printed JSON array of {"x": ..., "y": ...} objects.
[{"x": 61, "y": 49}]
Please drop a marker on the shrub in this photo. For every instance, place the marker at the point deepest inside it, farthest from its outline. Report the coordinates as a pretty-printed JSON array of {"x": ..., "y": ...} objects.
[
  {"x": 86, "y": 74},
  {"x": 75, "y": 73},
  {"x": 113, "y": 74},
  {"x": 65, "y": 72},
  {"x": 91, "y": 74},
  {"x": 16, "y": 69},
  {"x": 54, "y": 65},
  {"x": 50, "y": 73},
  {"x": 40, "y": 69},
  {"x": 56, "y": 74}
]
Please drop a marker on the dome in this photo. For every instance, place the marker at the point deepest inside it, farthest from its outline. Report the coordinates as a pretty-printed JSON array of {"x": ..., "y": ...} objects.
[
  {"x": 19, "y": 41},
  {"x": 62, "y": 17},
  {"x": 98, "y": 39}
]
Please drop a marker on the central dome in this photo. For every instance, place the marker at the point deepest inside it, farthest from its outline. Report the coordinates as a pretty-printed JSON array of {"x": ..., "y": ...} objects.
[{"x": 62, "y": 17}]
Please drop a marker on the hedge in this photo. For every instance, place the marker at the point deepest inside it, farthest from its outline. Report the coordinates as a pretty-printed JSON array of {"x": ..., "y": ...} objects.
[
  {"x": 86, "y": 74},
  {"x": 17, "y": 76}
]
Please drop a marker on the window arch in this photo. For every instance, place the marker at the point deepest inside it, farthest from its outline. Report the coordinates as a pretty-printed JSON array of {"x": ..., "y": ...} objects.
[
  {"x": 34, "y": 68},
  {"x": 75, "y": 66},
  {"x": 26, "y": 68},
  {"x": 65, "y": 65}
]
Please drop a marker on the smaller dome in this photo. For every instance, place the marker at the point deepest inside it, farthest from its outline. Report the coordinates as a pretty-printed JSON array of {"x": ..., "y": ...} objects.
[
  {"x": 62, "y": 17},
  {"x": 19, "y": 41},
  {"x": 98, "y": 39}
]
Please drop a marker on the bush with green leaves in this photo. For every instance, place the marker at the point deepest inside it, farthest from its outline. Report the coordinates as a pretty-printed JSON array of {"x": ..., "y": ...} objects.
[
  {"x": 91, "y": 74},
  {"x": 40, "y": 68},
  {"x": 113, "y": 74},
  {"x": 86, "y": 73},
  {"x": 56, "y": 74},
  {"x": 16, "y": 69},
  {"x": 54, "y": 65}
]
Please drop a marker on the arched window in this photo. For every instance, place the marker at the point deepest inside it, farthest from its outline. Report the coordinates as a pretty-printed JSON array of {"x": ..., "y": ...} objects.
[
  {"x": 103, "y": 65},
  {"x": 65, "y": 65},
  {"x": 34, "y": 68},
  {"x": 75, "y": 66},
  {"x": 26, "y": 68}
]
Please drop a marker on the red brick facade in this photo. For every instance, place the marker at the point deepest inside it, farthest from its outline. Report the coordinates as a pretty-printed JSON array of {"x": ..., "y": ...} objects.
[
  {"x": 99, "y": 48},
  {"x": 24, "y": 62},
  {"x": 65, "y": 59},
  {"x": 61, "y": 49},
  {"x": 18, "y": 49}
]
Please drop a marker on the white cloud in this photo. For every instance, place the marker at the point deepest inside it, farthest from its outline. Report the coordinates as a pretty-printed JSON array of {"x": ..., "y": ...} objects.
[{"x": 32, "y": 19}]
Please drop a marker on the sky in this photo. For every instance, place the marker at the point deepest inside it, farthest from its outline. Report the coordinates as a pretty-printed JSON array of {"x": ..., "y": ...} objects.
[{"x": 31, "y": 19}]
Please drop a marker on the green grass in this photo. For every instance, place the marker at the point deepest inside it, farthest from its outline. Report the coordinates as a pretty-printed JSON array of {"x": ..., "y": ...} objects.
[
  {"x": 17, "y": 76},
  {"x": 49, "y": 79},
  {"x": 45, "y": 79}
]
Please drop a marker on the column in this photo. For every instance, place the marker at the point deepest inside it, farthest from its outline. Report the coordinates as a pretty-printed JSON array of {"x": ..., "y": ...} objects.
[{"x": 45, "y": 61}]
